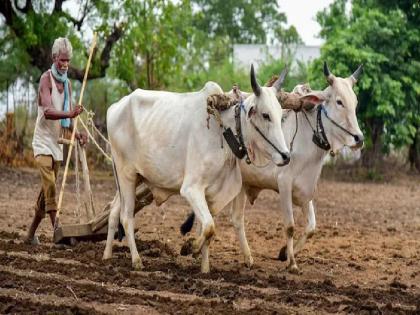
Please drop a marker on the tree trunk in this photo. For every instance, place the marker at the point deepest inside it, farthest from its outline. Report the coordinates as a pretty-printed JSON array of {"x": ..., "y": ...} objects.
[
  {"x": 373, "y": 155},
  {"x": 414, "y": 152},
  {"x": 7, "y": 96}
]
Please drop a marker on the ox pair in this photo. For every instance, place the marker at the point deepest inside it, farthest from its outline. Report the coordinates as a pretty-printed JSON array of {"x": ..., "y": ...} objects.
[
  {"x": 162, "y": 138},
  {"x": 327, "y": 128}
]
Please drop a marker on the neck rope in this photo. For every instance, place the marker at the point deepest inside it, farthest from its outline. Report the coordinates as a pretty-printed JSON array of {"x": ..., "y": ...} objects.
[{"x": 319, "y": 137}]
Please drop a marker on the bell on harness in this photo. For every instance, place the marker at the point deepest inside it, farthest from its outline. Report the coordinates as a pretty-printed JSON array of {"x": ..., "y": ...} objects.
[
  {"x": 234, "y": 144},
  {"x": 318, "y": 139}
]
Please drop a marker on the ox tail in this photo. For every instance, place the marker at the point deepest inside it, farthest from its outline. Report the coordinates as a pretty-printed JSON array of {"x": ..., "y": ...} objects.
[
  {"x": 188, "y": 224},
  {"x": 121, "y": 233}
]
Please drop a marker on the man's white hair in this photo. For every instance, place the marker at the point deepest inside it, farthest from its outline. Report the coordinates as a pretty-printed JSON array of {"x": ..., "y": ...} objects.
[{"x": 61, "y": 44}]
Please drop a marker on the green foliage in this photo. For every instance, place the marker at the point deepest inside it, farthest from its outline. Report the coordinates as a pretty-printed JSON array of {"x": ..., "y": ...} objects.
[
  {"x": 100, "y": 94},
  {"x": 385, "y": 38},
  {"x": 223, "y": 73},
  {"x": 242, "y": 21},
  {"x": 297, "y": 74},
  {"x": 156, "y": 39}
]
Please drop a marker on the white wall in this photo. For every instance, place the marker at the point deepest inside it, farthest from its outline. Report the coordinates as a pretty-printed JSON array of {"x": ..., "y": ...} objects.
[{"x": 245, "y": 54}]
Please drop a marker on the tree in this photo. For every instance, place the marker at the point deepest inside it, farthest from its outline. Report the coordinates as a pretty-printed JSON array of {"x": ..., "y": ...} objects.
[
  {"x": 384, "y": 36},
  {"x": 31, "y": 29},
  {"x": 243, "y": 21},
  {"x": 218, "y": 25},
  {"x": 156, "y": 42}
]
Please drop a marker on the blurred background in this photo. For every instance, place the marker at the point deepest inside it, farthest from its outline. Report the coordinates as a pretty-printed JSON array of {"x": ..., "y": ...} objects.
[{"x": 179, "y": 45}]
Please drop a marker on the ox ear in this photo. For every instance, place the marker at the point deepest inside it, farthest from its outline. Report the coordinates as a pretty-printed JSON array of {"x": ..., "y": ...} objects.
[
  {"x": 251, "y": 112},
  {"x": 312, "y": 99}
]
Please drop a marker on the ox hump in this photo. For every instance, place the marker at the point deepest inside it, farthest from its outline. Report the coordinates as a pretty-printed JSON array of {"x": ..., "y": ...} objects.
[{"x": 212, "y": 88}]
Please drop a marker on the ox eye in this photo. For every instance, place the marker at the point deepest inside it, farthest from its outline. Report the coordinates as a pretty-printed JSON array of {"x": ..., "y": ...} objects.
[
  {"x": 266, "y": 116},
  {"x": 339, "y": 102}
]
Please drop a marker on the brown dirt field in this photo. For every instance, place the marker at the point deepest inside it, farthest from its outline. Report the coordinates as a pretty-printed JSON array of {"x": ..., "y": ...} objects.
[{"x": 363, "y": 259}]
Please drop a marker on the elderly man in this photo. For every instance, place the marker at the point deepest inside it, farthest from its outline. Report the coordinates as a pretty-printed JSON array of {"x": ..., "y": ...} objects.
[{"x": 54, "y": 113}]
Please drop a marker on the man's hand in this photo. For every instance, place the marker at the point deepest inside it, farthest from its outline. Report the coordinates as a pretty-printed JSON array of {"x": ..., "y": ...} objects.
[
  {"x": 82, "y": 137},
  {"x": 76, "y": 111}
]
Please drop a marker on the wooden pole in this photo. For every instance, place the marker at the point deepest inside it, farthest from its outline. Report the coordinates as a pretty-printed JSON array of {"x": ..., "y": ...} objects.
[
  {"x": 144, "y": 197},
  {"x": 63, "y": 184}
]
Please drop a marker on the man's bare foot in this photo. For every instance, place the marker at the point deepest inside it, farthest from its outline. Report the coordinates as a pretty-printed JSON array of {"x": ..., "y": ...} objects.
[{"x": 32, "y": 241}]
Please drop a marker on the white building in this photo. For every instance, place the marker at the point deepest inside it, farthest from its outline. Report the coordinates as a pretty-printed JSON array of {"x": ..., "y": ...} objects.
[{"x": 245, "y": 54}]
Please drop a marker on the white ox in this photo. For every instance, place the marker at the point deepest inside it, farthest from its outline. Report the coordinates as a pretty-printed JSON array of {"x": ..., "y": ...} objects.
[
  {"x": 163, "y": 137},
  {"x": 296, "y": 182}
]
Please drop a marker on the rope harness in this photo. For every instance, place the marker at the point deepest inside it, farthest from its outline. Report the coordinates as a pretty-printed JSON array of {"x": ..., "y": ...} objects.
[
  {"x": 220, "y": 102},
  {"x": 91, "y": 123},
  {"x": 238, "y": 127},
  {"x": 319, "y": 137}
]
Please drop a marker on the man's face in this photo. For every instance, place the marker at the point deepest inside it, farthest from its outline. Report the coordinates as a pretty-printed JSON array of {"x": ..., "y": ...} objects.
[{"x": 62, "y": 62}]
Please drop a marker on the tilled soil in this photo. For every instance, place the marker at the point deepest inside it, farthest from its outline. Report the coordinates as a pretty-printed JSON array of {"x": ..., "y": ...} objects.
[{"x": 363, "y": 259}]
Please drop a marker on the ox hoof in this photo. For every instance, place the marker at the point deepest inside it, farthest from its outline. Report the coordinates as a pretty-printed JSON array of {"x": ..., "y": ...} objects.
[
  {"x": 205, "y": 269},
  {"x": 106, "y": 256},
  {"x": 283, "y": 254},
  {"x": 249, "y": 261},
  {"x": 187, "y": 248},
  {"x": 293, "y": 269},
  {"x": 138, "y": 265}
]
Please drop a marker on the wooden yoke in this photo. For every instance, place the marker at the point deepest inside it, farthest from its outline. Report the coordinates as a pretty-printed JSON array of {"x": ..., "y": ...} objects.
[
  {"x": 221, "y": 102},
  {"x": 291, "y": 100},
  {"x": 63, "y": 184}
]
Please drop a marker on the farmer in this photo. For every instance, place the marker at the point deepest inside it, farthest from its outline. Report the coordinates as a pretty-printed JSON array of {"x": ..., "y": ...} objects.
[{"x": 54, "y": 113}]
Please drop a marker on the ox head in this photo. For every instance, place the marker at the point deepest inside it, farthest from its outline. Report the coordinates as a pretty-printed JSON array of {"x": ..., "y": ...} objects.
[
  {"x": 340, "y": 102},
  {"x": 263, "y": 134}
]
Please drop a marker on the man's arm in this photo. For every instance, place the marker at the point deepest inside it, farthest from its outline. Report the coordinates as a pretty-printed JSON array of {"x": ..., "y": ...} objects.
[{"x": 45, "y": 101}]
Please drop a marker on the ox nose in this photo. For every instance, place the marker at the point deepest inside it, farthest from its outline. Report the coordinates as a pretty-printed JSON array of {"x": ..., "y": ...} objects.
[
  {"x": 359, "y": 139},
  {"x": 286, "y": 158}
]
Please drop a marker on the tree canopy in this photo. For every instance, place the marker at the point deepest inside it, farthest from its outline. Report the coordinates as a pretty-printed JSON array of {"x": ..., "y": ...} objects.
[
  {"x": 31, "y": 29},
  {"x": 384, "y": 36}
]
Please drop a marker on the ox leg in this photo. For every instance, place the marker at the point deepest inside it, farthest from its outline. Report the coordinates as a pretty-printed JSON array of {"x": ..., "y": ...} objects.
[
  {"x": 237, "y": 216},
  {"x": 286, "y": 207},
  {"x": 112, "y": 226},
  {"x": 205, "y": 263},
  {"x": 197, "y": 200},
  {"x": 309, "y": 211},
  {"x": 128, "y": 192}
]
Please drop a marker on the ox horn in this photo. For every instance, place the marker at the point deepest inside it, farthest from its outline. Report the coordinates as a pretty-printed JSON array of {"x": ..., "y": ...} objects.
[
  {"x": 280, "y": 80},
  {"x": 356, "y": 74},
  {"x": 254, "y": 84},
  {"x": 328, "y": 74}
]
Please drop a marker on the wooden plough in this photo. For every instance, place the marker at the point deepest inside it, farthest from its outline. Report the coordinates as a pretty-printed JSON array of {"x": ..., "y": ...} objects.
[{"x": 96, "y": 229}]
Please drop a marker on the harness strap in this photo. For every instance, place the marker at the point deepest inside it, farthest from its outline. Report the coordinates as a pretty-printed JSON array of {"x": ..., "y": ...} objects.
[
  {"x": 335, "y": 123},
  {"x": 310, "y": 125},
  {"x": 238, "y": 126},
  {"x": 294, "y": 135},
  {"x": 283, "y": 155},
  {"x": 239, "y": 150},
  {"x": 323, "y": 140},
  {"x": 319, "y": 137}
]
